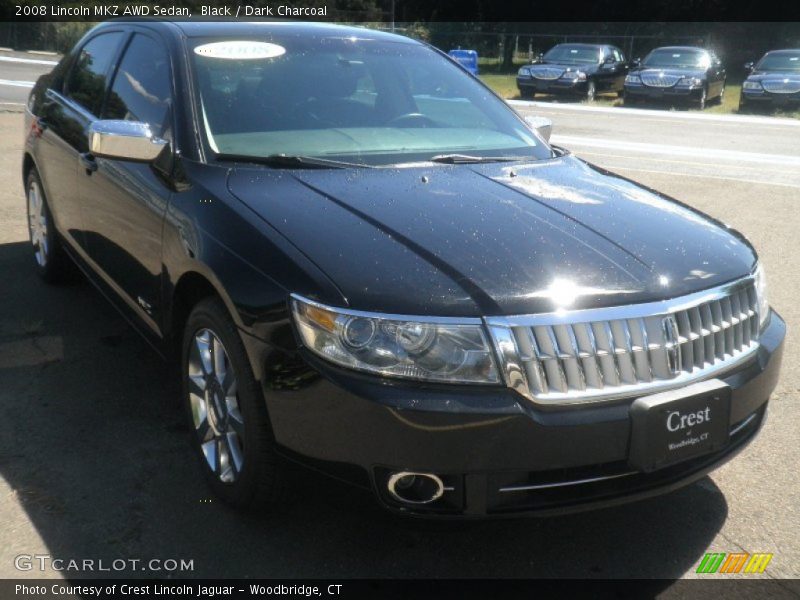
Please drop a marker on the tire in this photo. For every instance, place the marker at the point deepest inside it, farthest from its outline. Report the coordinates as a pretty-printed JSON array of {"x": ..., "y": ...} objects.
[
  {"x": 702, "y": 101},
  {"x": 721, "y": 96},
  {"x": 628, "y": 100},
  {"x": 591, "y": 90},
  {"x": 527, "y": 94},
  {"x": 744, "y": 107},
  {"x": 52, "y": 263},
  {"x": 227, "y": 417}
]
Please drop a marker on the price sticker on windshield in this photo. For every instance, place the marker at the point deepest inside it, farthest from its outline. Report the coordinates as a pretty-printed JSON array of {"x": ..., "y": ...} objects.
[{"x": 240, "y": 50}]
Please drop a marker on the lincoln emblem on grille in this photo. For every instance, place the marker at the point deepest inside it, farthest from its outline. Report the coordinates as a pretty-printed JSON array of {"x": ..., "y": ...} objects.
[{"x": 672, "y": 344}]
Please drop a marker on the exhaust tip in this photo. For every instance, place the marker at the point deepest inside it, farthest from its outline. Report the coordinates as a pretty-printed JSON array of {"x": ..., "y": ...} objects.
[{"x": 410, "y": 487}]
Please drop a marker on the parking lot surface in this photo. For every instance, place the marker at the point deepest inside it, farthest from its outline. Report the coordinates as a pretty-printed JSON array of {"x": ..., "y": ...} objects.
[{"x": 94, "y": 462}]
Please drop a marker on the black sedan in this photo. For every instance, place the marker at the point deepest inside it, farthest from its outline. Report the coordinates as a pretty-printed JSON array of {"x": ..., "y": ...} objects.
[
  {"x": 772, "y": 82},
  {"x": 404, "y": 286},
  {"x": 677, "y": 73},
  {"x": 582, "y": 70}
]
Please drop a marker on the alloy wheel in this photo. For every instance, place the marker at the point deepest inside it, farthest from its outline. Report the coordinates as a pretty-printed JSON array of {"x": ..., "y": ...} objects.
[
  {"x": 214, "y": 401},
  {"x": 37, "y": 223},
  {"x": 590, "y": 91}
]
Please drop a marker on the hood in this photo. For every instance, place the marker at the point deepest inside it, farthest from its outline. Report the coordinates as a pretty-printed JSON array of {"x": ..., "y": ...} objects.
[
  {"x": 492, "y": 239},
  {"x": 670, "y": 72}
]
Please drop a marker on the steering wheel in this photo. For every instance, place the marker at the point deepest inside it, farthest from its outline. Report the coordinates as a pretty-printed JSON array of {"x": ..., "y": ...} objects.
[{"x": 410, "y": 120}]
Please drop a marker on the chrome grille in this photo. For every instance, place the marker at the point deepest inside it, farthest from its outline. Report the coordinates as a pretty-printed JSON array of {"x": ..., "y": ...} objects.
[
  {"x": 610, "y": 353},
  {"x": 781, "y": 86},
  {"x": 660, "y": 80},
  {"x": 547, "y": 73}
]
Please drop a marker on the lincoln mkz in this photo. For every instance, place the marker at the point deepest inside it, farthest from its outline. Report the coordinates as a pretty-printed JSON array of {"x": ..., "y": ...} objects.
[{"x": 364, "y": 261}]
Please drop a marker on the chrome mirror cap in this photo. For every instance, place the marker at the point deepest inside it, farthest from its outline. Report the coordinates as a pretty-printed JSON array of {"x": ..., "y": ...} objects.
[
  {"x": 542, "y": 125},
  {"x": 125, "y": 140}
]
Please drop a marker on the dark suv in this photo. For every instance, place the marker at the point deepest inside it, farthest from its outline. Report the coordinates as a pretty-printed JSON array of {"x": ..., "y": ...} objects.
[
  {"x": 400, "y": 284},
  {"x": 574, "y": 69}
]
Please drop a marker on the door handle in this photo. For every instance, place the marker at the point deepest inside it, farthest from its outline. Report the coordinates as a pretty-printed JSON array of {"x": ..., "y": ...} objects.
[{"x": 88, "y": 162}]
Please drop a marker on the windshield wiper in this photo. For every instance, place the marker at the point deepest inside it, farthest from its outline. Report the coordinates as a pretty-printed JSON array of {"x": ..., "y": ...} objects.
[
  {"x": 459, "y": 159},
  {"x": 289, "y": 160}
]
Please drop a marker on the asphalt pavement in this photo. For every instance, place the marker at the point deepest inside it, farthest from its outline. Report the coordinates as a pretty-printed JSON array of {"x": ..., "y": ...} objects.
[{"x": 94, "y": 462}]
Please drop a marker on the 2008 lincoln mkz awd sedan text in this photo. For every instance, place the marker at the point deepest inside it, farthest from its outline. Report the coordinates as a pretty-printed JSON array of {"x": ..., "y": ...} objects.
[{"x": 365, "y": 261}]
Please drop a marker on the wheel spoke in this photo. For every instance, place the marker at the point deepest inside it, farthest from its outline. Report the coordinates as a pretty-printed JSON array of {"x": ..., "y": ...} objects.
[
  {"x": 219, "y": 358},
  {"x": 226, "y": 472},
  {"x": 204, "y": 352},
  {"x": 204, "y": 432},
  {"x": 218, "y": 445},
  {"x": 197, "y": 385},
  {"x": 229, "y": 383},
  {"x": 235, "y": 452},
  {"x": 235, "y": 422},
  {"x": 198, "y": 406},
  {"x": 210, "y": 452}
]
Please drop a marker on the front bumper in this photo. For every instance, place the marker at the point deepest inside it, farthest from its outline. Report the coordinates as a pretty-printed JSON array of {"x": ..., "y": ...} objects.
[
  {"x": 498, "y": 453},
  {"x": 762, "y": 97},
  {"x": 551, "y": 86},
  {"x": 645, "y": 92}
]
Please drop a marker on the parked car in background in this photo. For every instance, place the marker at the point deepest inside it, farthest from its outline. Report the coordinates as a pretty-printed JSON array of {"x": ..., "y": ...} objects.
[
  {"x": 677, "y": 73},
  {"x": 574, "y": 69},
  {"x": 467, "y": 58},
  {"x": 408, "y": 289},
  {"x": 773, "y": 81}
]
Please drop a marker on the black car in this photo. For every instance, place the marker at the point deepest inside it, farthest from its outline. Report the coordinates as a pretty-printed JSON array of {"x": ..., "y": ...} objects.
[
  {"x": 774, "y": 81},
  {"x": 677, "y": 73},
  {"x": 574, "y": 69},
  {"x": 402, "y": 285}
]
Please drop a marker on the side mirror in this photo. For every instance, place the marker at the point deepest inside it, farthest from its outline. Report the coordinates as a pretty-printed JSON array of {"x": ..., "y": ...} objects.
[
  {"x": 540, "y": 58},
  {"x": 609, "y": 60},
  {"x": 124, "y": 140},
  {"x": 748, "y": 66},
  {"x": 542, "y": 125}
]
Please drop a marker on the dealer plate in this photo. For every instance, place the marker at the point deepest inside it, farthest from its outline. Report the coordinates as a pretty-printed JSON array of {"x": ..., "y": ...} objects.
[{"x": 679, "y": 425}]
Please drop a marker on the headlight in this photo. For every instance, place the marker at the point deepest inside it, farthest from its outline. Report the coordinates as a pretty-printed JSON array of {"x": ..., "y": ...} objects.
[
  {"x": 751, "y": 85},
  {"x": 633, "y": 79},
  {"x": 441, "y": 349},
  {"x": 524, "y": 72},
  {"x": 573, "y": 75},
  {"x": 690, "y": 81},
  {"x": 761, "y": 295}
]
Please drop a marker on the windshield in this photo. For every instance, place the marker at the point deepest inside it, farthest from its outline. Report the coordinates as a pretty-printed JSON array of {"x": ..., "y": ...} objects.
[
  {"x": 681, "y": 59},
  {"x": 780, "y": 62},
  {"x": 362, "y": 101},
  {"x": 573, "y": 55}
]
